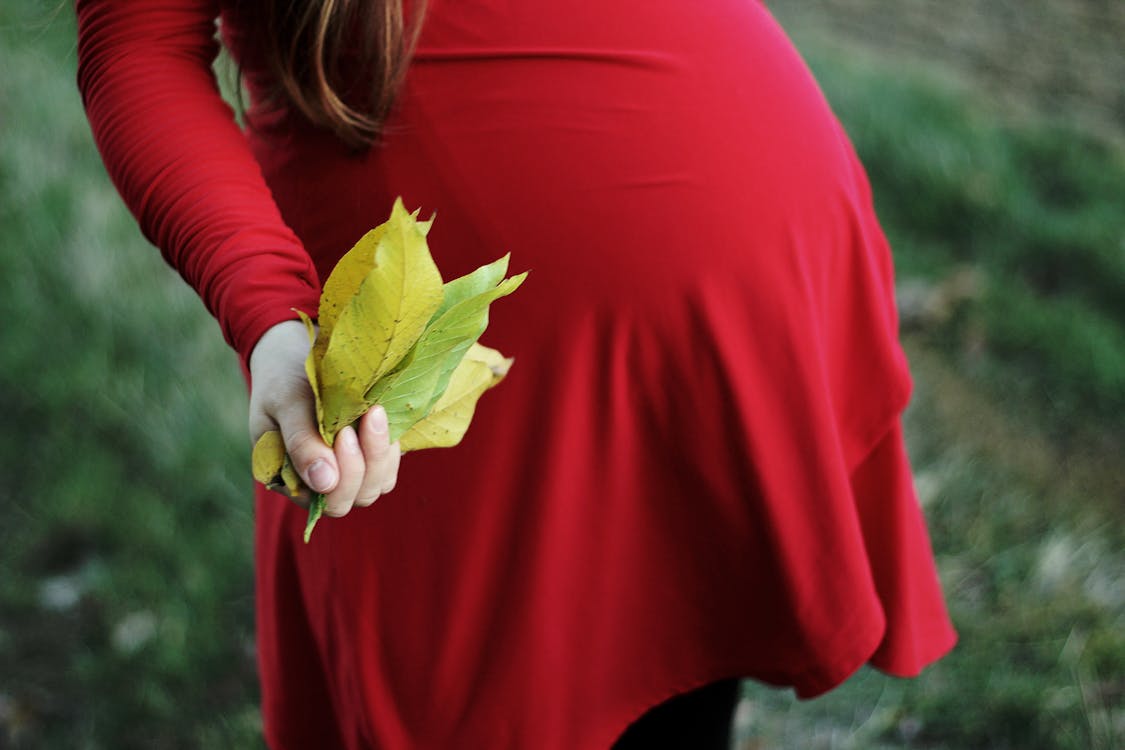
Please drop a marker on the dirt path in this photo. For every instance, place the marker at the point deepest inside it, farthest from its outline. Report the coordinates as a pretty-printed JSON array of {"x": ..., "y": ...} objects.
[{"x": 1062, "y": 58}]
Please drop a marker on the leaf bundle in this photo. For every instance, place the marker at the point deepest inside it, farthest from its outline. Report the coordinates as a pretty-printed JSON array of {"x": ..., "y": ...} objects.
[{"x": 391, "y": 332}]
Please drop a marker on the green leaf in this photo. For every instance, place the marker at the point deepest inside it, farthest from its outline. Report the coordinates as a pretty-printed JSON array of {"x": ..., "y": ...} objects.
[
  {"x": 316, "y": 510},
  {"x": 390, "y": 332},
  {"x": 409, "y": 394},
  {"x": 471, "y": 284},
  {"x": 480, "y": 369}
]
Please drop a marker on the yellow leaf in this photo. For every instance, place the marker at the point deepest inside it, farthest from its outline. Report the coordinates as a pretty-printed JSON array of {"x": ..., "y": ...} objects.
[
  {"x": 381, "y": 322},
  {"x": 289, "y": 477},
  {"x": 268, "y": 457},
  {"x": 311, "y": 371},
  {"x": 344, "y": 282},
  {"x": 423, "y": 226},
  {"x": 350, "y": 271},
  {"x": 447, "y": 422},
  {"x": 271, "y": 464},
  {"x": 390, "y": 332}
]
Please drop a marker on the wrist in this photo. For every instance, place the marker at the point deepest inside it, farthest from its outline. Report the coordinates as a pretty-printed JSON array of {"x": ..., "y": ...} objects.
[{"x": 288, "y": 336}]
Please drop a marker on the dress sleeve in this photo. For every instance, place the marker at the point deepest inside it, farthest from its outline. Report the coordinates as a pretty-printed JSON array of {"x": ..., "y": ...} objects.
[{"x": 174, "y": 151}]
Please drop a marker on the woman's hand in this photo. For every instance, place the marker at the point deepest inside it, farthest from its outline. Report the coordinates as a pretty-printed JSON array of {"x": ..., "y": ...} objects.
[{"x": 358, "y": 468}]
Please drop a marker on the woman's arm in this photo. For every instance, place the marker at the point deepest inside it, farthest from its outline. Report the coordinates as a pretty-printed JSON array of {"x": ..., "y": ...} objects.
[{"x": 174, "y": 151}]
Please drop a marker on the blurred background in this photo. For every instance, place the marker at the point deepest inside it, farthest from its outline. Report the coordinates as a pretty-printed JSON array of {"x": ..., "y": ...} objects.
[{"x": 994, "y": 133}]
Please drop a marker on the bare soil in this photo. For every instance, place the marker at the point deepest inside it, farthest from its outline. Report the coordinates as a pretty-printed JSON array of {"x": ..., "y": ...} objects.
[{"x": 1061, "y": 58}]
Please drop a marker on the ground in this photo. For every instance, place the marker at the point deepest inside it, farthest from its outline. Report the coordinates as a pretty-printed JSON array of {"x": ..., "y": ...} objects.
[
  {"x": 1056, "y": 58},
  {"x": 993, "y": 131}
]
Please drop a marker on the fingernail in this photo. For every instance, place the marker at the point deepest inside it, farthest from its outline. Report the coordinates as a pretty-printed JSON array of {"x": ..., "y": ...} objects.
[
  {"x": 346, "y": 438},
  {"x": 379, "y": 421},
  {"x": 321, "y": 475}
]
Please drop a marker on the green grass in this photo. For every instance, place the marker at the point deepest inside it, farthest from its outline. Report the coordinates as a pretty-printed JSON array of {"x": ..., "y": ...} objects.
[
  {"x": 1015, "y": 430},
  {"x": 1030, "y": 556},
  {"x": 126, "y": 604},
  {"x": 1035, "y": 208},
  {"x": 126, "y": 600}
]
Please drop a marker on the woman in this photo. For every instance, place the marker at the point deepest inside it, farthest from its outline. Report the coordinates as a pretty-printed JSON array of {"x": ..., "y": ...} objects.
[{"x": 695, "y": 471}]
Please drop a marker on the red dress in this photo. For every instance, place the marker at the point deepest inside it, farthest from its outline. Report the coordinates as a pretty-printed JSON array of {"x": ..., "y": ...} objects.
[{"x": 695, "y": 469}]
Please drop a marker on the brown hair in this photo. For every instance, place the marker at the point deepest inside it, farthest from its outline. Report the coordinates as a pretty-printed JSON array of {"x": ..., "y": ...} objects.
[{"x": 324, "y": 53}]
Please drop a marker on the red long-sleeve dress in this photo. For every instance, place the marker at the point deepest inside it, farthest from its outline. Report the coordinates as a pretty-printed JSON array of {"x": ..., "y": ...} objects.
[{"x": 695, "y": 469}]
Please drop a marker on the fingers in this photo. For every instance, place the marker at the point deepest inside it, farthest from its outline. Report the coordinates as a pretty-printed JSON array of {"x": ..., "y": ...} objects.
[
  {"x": 349, "y": 458},
  {"x": 314, "y": 461},
  {"x": 381, "y": 458},
  {"x": 281, "y": 398},
  {"x": 356, "y": 471},
  {"x": 358, "y": 468}
]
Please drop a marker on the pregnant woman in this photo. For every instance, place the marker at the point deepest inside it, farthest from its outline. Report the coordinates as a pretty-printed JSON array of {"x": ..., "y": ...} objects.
[{"x": 695, "y": 471}]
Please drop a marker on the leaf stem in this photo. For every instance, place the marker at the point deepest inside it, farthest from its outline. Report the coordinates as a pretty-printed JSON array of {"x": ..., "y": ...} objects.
[{"x": 316, "y": 510}]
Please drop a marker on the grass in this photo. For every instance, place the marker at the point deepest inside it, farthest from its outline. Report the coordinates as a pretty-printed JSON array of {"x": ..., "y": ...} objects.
[
  {"x": 1031, "y": 562},
  {"x": 1036, "y": 209},
  {"x": 126, "y": 611},
  {"x": 1015, "y": 429},
  {"x": 126, "y": 607}
]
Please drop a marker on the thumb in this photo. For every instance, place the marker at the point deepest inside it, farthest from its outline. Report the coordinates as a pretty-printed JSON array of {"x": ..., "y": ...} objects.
[{"x": 311, "y": 456}]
